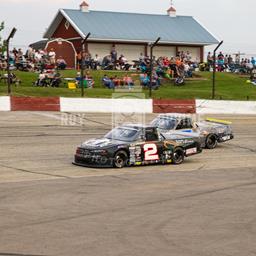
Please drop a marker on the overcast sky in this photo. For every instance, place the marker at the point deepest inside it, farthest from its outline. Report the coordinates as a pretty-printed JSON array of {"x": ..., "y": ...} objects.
[{"x": 230, "y": 20}]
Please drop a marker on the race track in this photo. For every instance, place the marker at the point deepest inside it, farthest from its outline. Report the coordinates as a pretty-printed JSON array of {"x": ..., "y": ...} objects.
[{"x": 205, "y": 206}]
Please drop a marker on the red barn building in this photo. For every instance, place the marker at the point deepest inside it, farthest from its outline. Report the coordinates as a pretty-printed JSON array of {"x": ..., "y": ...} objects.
[{"x": 130, "y": 33}]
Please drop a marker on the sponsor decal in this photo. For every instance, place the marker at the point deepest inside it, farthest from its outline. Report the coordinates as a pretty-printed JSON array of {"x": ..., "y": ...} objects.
[
  {"x": 185, "y": 141},
  {"x": 226, "y": 137},
  {"x": 191, "y": 151},
  {"x": 187, "y": 131}
]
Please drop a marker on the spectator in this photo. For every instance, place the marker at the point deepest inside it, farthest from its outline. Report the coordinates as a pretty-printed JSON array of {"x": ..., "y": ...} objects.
[
  {"x": 15, "y": 52},
  {"x": 78, "y": 60},
  {"x": 19, "y": 54},
  {"x": 220, "y": 63},
  {"x": 41, "y": 81},
  {"x": 180, "y": 68},
  {"x": 237, "y": 59},
  {"x": 78, "y": 79},
  {"x": 107, "y": 63},
  {"x": 128, "y": 81},
  {"x": 87, "y": 60},
  {"x": 220, "y": 56},
  {"x": 30, "y": 54},
  {"x": 124, "y": 63},
  {"x": 52, "y": 56},
  {"x": 187, "y": 69},
  {"x": 89, "y": 79},
  {"x": 188, "y": 56},
  {"x": 141, "y": 58},
  {"x": 253, "y": 61},
  {"x": 108, "y": 82},
  {"x": 210, "y": 60},
  {"x": 226, "y": 60},
  {"x": 166, "y": 62},
  {"x": 144, "y": 80},
  {"x": 230, "y": 60},
  {"x": 113, "y": 54},
  {"x": 56, "y": 80},
  {"x": 38, "y": 56},
  {"x": 61, "y": 63},
  {"x": 117, "y": 81},
  {"x": 95, "y": 62}
]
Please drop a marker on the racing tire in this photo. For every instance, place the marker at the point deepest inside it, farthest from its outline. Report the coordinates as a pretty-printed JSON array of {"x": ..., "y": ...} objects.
[
  {"x": 211, "y": 141},
  {"x": 178, "y": 156},
  {"x": 120, "y": 159}
]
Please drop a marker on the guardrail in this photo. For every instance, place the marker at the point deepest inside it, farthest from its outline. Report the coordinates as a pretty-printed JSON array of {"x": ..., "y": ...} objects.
[{"x": 126, "y": 105}]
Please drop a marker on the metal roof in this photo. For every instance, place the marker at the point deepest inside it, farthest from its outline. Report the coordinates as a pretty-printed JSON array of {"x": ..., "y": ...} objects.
[
  {"x": 134, "y": 27},
  {"x": 39, "y": 44}
]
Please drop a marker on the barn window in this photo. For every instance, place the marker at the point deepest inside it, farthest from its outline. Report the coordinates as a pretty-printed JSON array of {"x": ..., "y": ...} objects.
[{"x": 67, "y": 25}]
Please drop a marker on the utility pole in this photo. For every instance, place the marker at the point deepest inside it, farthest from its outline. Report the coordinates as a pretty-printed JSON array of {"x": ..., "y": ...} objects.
[
  {"x": 152, "y": 45},
  {"x": 214, "y": 69},
  {"x": 83, "y": 64},
  {"x": 8, "y": 61}
]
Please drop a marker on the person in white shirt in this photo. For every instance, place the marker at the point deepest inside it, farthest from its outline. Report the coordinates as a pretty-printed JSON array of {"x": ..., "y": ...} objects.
[{"x": 52, "y": 56}]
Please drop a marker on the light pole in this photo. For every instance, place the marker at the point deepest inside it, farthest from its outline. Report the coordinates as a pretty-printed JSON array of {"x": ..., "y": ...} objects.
[
  {"x": 151, "y": 64},
  {"x": 83, "y": 64},
  {"x": 8, "y": 57},
  {"x": 214, "y": 69}
]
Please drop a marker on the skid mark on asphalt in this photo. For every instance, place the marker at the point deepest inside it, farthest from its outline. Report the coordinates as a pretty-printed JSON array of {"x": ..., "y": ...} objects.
[
  {"x": 52, "y": 135},
  {"x": 18, "y": 254},
  {"x": 238, "y": 146},
  {"x": 38, "y": 173}
]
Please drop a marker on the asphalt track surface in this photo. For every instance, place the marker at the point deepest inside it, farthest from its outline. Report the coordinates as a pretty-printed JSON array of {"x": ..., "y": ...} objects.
[{"x": 205, "y": 206}]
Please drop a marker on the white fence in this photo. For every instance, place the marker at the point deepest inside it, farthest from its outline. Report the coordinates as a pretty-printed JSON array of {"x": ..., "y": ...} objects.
[
  {"x": 225, "y": 107},
  {"x": 106, "y": 105},
  {"x": 5, "y": 103}
]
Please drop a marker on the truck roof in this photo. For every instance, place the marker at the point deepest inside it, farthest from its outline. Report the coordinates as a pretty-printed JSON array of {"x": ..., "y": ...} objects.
[
  {"x": 175, "y": 116},
  {"x": 139, "y": 126}
]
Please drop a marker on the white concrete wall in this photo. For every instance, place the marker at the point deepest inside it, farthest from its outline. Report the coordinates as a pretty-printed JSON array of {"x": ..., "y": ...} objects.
[
  {"x": 226, "y": 107},
  {"x": 101, "y": 49},
  {"x": 106, "y": 105},
  {"x": 5, "y": 103},
  {"x": 164, "y": 51},
  {"x": 131, "y": 52}
]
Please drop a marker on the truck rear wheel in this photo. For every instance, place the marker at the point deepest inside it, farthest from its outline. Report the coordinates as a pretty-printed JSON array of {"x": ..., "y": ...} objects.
[
  {"x": 178, "y": 156},
  {"x": 211, "y": 141}
]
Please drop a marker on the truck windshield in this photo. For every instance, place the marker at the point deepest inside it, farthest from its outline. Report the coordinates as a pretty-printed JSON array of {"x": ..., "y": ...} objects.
[
  {"x": 124, "y": 134},
  {"x": 165, "y": 123}
]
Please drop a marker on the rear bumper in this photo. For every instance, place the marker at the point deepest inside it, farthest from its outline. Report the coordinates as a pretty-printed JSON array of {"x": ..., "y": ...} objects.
[{"x": 225, "y": 137}]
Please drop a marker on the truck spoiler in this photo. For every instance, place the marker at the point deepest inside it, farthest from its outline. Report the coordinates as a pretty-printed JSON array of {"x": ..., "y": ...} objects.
[{"x": 212, "y": 120}]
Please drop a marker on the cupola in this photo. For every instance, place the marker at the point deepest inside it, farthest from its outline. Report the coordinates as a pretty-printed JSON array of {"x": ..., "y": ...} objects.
[
  {"x": 171, "y": 11},
  {"x": 84, "y": 7}
]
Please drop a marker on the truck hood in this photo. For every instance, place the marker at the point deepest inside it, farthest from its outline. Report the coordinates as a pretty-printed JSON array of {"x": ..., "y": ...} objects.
[{"x": 101, "y": 143}]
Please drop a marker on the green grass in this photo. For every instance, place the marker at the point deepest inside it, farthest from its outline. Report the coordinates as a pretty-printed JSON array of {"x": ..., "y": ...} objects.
[{"x": 228, "y": 87}]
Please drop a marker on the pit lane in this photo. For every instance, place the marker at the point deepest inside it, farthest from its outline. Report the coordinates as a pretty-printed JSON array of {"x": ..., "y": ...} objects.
[{"x": 50, "y": 207}]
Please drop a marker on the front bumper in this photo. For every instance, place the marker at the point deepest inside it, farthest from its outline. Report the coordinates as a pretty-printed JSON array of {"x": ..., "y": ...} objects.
[{"x": 94, "y": 161}]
